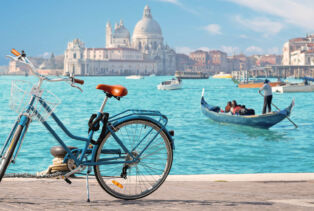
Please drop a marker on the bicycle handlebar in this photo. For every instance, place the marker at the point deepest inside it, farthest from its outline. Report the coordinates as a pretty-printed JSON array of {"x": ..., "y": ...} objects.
[{"x": 23, "y": 59}]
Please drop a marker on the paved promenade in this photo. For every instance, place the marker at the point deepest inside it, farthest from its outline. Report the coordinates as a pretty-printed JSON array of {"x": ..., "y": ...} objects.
[{"x": 204, "y": 192}]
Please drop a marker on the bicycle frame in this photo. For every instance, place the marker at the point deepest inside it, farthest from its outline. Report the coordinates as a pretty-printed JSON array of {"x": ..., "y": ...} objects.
[{"x": 24, "y": 120}]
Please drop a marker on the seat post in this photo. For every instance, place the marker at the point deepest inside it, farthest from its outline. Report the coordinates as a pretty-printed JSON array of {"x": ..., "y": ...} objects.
[{"x": 103, "y": 104}]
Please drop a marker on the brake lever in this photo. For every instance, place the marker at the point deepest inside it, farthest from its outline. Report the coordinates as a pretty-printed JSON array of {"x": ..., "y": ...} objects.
[
  {"x": 11, "y": 57},
  {"x": 79, "y": 88}
]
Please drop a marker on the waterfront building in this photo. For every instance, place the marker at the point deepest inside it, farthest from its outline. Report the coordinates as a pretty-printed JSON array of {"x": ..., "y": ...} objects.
[
  {"x": 144, "y": 54},
  {"x": 303, "y": 57},
  {"x": 293, "y": 49},
  {"x": 213, "y": 61},
  {"x": 267, "y": 60},
  {"x": 201, "y": 59},
  {"x": 218, "y": 62},
  {"x": 184, "y": 62}
]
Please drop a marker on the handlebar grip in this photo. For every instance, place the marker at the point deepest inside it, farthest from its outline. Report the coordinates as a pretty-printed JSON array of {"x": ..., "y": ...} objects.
[
  {"x": 15, "y": 52},
  {"x": 79, "y": 81}
]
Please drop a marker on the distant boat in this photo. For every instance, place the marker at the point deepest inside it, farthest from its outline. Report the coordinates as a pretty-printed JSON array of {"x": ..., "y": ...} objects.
[
  {"x": 134, "y": 77},
  {"x": 172, "y": 84},
  {"x": 295, "y": 87},
  {"x": 264, "y": 121},
  {"x": 191, "y": 75},
  {"x": 222, "y": 75},
  {"x": 152, "y": 75},
  {"x": 258, "y": 84}
]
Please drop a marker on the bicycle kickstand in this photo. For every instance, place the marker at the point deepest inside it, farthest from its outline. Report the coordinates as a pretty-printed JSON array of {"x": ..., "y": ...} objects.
[{"x": 87, "y": 182}]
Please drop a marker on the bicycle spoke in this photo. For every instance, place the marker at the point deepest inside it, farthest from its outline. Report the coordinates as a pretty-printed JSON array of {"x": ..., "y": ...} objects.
[{"x": 144, "y": 176}]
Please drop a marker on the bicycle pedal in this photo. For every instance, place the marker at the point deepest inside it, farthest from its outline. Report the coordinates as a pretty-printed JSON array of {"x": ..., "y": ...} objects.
[{"x": 68, "y": 181}]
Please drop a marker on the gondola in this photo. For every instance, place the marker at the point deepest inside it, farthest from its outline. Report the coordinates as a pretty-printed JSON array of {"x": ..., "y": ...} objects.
[{"x": 264, "y": 121}]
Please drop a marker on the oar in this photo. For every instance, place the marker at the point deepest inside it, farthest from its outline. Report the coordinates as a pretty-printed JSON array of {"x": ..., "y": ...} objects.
[{"x": 279, "y": 110}]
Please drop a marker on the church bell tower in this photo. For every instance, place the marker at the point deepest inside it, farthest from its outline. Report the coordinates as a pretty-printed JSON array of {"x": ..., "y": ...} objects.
[{"x": 108, "y": 35}]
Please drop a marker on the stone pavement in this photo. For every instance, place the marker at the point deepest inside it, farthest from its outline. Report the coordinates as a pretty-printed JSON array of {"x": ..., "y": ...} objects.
[{"x": 198, "y": 192}]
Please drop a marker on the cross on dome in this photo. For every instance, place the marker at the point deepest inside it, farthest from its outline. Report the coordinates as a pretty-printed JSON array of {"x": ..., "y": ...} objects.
[{"x": 147, "y": 13}]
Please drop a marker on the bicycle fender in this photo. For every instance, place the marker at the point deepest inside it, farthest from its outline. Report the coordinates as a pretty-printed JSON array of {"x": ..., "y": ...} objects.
[{"x": 134, "y": 117}]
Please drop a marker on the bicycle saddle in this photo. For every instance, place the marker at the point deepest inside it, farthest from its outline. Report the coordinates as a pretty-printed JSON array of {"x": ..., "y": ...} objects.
[{"x": 114, "y": 90}]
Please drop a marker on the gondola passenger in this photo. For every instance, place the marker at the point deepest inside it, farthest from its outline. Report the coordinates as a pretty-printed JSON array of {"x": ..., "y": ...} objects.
[
  {"x": 235, "y": 108},
  {"x": 228, "y": 107}
]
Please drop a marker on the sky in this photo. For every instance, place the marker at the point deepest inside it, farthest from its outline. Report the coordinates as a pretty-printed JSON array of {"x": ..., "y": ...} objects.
[{"x": 233, "y": 26}]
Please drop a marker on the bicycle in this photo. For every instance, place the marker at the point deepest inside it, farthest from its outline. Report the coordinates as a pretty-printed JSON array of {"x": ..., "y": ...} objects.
[{"x": 132, "y": 156}]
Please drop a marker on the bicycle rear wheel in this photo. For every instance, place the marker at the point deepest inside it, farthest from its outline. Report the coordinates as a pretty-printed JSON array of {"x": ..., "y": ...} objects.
[
  {"x": 140, "y": 178},
  {"x": 8, "y": 153}
]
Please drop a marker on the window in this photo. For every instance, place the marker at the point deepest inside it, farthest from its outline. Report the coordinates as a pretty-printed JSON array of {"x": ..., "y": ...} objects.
[{"x": 74, "y": 55}]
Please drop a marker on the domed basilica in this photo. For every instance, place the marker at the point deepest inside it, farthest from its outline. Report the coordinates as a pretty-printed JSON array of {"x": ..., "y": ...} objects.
[{"x": 144, "y": 54}]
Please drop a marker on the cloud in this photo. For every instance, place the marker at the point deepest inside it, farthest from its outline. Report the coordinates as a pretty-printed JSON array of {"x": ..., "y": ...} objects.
[
  {"x": 254, "y": 50},
  {"x": 204, "y": 48},
  {"x": 274, "y": 50},
  {"x": 230, "y": 50},
  {"x": 184, "y": 50},
  {"x": 176, "y": 2},
  {"x": 188, "y": 50},
  {"x": 45, "y": 55},
  {"x": 299, "y": 13},
  {"x": 182, "y": 6},
  {"x": 213, "y": 29},
  {"x": 261, "y": 25},
  {"x": 244, "y": 36}
]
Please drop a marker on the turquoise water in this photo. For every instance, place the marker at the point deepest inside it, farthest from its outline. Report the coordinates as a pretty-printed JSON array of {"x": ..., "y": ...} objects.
[{"x": 202, "y": 146}]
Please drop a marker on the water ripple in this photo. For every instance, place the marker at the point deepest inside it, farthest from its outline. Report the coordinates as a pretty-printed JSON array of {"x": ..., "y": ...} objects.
[{"x": 202, "y": 146}]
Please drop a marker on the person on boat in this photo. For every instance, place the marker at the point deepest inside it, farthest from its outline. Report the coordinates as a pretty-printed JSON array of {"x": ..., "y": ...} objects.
[
  {"x": 268, "y": 96},
  {"x": 235, "y": 108},
  {"x": 228, "y": 107},
  {"x": 246, "y": 111},
  {"x": 306, "y": 82}
]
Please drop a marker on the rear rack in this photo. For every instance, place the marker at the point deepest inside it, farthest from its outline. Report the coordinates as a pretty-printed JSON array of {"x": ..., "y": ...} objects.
[{"x": 156, "y": 115}]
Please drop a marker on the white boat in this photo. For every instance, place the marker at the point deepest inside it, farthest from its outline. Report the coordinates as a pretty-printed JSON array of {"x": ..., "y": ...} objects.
[
  {"x": 134, "y": 77},
  {"x": 174, "y": 83},
  {"x": 191, "y": 75},
  {"x": 294, "y": 87},
  {"x": 222, "y": 75}
]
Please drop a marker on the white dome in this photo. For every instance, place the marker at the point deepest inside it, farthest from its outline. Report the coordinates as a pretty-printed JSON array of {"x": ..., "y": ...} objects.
[
  {"x": 147, "y": 27},
  {"x": 121, "y": 32}
]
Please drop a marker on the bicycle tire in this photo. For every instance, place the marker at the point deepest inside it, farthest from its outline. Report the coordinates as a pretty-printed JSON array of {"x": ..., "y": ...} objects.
[
  {"x": 7, "y": 155},
  {"x": 145, "y": 177}
]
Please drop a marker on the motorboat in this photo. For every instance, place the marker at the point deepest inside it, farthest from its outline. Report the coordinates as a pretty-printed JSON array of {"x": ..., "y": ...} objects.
[
  {"x": 191, "y": 75},
  {"x": 172, "y": 84},
  {"x": 134, "y": 77},
  {"x": 222, "y": 75},
  {"x": 294, "y": 87},
  {"x": 306, "y": 86},
  {"x": 258, "y": 84}
]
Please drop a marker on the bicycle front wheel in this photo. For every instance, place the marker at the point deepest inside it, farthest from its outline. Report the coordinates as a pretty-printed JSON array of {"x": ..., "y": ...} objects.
[
  {"x": 8, "y": 153},
  {"x": 134, "y": 179}
]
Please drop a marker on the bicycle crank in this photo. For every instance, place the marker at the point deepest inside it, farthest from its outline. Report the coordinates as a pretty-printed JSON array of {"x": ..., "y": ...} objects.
[{"x": 76, "y": 170}]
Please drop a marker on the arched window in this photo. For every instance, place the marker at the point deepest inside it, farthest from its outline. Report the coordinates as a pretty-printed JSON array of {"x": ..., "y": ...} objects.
[{"x": 139, "y": 45}]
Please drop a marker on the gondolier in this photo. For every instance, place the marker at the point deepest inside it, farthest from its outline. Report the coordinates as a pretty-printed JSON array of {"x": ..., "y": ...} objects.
[{"x": 268, "y": 96}]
